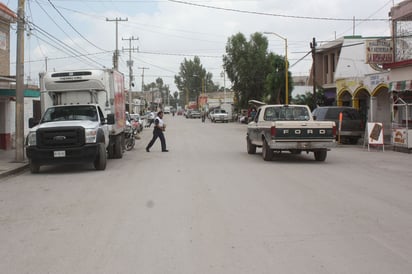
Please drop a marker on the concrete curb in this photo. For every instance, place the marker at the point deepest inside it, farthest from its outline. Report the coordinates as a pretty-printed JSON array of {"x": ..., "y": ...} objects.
[{"x": 13, "y": 171}]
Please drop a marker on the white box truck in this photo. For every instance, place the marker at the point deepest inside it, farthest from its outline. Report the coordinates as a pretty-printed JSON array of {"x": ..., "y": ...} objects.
[{"x": 83, "y": 119}]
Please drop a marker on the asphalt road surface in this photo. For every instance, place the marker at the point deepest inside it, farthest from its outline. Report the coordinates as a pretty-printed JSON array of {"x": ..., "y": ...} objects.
[{"x": 209, "y": 207}]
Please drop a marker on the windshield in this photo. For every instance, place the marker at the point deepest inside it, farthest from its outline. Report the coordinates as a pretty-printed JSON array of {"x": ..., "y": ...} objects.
[
  {"x": 68, "y": 113},
  {"x": 286, "y": 113}
]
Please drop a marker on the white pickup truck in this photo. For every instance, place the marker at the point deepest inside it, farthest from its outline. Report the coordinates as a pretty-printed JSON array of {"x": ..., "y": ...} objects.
[{"x": 278, "y": 128}]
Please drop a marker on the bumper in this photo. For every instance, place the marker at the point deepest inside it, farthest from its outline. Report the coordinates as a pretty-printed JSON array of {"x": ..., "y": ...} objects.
[
  {"x": 84, "y": 154},
  {"x": 223, "y": 119},
  {"x": 302, "y": 145}
]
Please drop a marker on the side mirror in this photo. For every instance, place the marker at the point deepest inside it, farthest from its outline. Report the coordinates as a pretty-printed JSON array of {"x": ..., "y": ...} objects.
[
  {"x": 32, "y": 122},
  {"x": 110, "y": 119}
]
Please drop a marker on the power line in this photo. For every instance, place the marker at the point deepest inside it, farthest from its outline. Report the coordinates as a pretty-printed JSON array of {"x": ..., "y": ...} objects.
[
  {"x": 51, "y": 18},
  {"x": 74, "y": 27},
  {"x": 67, "y": 48},
  {"x": 276, "y": 15}
]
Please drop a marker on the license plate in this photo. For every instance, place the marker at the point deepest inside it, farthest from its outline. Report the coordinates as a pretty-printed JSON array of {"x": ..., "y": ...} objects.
[{"x": 59, "y": 153}]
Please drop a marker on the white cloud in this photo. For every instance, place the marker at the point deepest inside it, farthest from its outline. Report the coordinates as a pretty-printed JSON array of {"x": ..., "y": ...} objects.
[{"x": 181, "y": 30}]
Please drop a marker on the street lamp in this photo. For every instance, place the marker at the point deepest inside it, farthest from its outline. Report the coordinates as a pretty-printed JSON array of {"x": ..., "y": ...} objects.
[{"x": 286, "y": 65}]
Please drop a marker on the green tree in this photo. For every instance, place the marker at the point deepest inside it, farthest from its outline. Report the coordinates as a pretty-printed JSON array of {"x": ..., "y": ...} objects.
[
  {"x": 161, "y": 87},
  {"x": 192, "y": 79},
  {"x": 307, "y": 98},
  {"x": 275, "y": 87},
  {"x": 247, "y": 66},
  {"x": 254, "y": 72}
]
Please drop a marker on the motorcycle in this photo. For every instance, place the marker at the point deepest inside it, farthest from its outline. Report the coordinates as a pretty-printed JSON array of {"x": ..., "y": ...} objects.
[{"x": 130, "y": 137}]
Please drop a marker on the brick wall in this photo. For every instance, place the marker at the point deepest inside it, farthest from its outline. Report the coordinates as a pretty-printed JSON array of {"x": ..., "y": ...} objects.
[{"x": 4, "y": 48}]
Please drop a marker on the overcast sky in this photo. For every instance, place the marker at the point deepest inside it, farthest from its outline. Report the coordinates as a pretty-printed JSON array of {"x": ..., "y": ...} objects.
[{"x": 169, "y": 31}]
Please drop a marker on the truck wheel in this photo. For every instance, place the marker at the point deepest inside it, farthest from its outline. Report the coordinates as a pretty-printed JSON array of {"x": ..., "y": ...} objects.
[
  {"x": 110, "y": 151},
  {"x": 101, "y": 159},
  {"x": 267, "y": 153},
  {"x": 251, "y": 148},
  {"x": 118, "y": 150},
  {"x": 34, "y": 168},
  {"x": 320, "y": 155}
]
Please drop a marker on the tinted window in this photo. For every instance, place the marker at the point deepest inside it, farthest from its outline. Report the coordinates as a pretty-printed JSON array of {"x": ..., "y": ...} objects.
[{"x": 348, "y": 114}]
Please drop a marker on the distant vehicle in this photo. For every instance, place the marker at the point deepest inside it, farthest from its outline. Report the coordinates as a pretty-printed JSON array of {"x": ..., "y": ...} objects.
[
  {"x": 352, "y": 127},
  {"x": 219, "y": 115},
  {"x": 193, "y": 114},
  {"x": 167, "y": 110}
]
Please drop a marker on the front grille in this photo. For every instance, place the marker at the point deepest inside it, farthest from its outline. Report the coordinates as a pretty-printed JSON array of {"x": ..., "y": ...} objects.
[
  {"x": 75, "y": 73},
  {"x": 60, "y": 137}
]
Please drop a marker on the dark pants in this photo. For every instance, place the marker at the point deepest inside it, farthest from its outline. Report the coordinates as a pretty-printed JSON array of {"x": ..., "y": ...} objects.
[{"x": 157, "y": 132}]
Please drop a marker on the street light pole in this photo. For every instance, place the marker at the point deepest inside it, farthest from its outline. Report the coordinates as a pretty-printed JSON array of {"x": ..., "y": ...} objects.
[{"x": 286, "y": 66}]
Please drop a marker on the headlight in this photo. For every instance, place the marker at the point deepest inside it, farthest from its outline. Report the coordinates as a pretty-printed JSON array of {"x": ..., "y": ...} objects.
[
  {"x": 31, "y": 139},
  {"x": 91, "y": 135}
]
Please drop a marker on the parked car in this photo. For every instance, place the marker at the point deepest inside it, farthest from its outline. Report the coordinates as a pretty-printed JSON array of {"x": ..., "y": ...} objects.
[{"x": 352, "y": 128}]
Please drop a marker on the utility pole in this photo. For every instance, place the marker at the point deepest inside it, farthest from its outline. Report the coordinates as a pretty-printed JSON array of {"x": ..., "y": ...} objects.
[
  {"x": 142, "y": 68},
  {"x": 116, "y": 53},
  {"x": 20, "y": 84},
  {"x": 313, "y": 47},
  {"x": 130, "y": 65}
]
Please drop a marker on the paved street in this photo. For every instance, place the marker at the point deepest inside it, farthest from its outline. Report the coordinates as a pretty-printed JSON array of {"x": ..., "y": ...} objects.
[{"x": 209, "y": 207}]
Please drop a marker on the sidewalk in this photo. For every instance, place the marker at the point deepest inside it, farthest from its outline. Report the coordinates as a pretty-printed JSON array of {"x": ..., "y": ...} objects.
[{"x": 8, "y": 165}]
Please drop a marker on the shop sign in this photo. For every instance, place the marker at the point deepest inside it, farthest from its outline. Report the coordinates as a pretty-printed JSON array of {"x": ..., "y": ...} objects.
[
  {"x": 375, "y": 133},
  {"x": 379, "y": 51},
  {"x": 399, "y": 136}
]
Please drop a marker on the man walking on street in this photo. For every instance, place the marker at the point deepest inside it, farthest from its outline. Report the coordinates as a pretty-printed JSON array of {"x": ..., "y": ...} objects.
[{"x": 159, "y": 127}]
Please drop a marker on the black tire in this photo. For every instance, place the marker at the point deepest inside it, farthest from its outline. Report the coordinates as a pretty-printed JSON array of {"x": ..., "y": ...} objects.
[
  {"x": 251, "y": 148},
  {"x": 110, "y": 151},
  {"x": 320, "y": 155},
  {"x": 130, "y": 142},
  {"x": 34, "y": 168},
  {"x": 118, "y": 150},
  {"x": 267, "y": 153},
  {"x": 101, "y": 160}
]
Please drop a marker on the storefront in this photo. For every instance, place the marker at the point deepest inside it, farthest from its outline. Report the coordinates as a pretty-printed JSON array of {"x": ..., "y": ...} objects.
[{"x": 401, "y": 92}]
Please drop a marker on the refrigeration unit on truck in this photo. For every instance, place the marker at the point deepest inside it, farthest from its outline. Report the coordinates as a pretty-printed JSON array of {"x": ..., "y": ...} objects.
[{"x": 83, "y": 119}]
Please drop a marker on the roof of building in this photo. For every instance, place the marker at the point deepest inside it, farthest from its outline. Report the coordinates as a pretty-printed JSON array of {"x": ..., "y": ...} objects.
[
  {"x": 402, "y": 11},
  {"x": 7, "y": 13}
]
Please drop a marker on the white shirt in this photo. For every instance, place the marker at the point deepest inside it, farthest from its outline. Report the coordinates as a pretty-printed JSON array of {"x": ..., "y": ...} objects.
[{"x": 161, "y": 123}]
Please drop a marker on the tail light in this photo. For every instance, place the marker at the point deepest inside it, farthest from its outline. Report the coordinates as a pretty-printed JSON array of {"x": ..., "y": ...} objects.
[
  {"x": 273, "y": 131},
  {"x": 334, "y": 131}
]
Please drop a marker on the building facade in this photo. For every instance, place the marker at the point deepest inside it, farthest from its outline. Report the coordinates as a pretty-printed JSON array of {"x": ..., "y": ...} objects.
[
  {"x": 400, "y": 75},
  {"x": 348, "y": 79},
  {"x": 8, "y": 87}
]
